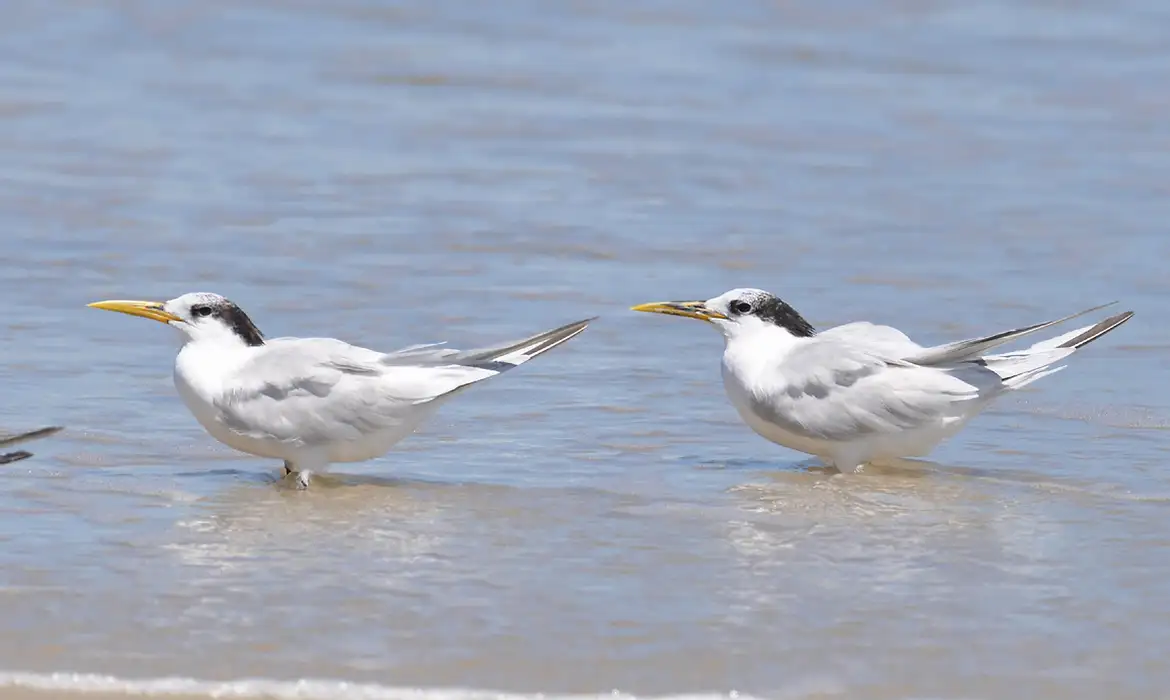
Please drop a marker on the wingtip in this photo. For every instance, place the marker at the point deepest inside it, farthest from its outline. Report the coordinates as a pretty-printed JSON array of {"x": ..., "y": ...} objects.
[
  {"x": 582, "y": 324},
  {"x": 1090, "y": 310},
  {"x": 45, "y": 432},
  {"x": 579, "y": 327},
  {"x": 30, "y": 435},
  {"x": 1098, "y": 330}
]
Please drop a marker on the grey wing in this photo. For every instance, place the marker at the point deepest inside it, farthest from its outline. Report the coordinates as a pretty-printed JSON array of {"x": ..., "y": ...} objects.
[
  {"x": 315, "y": 390},
  {"x": 322, "y": 389},
  {"x": 827, "y": 390}
]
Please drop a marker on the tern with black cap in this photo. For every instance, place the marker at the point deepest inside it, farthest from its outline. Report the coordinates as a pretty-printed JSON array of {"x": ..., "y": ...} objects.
[
  {"x": 864, "y": 393},
  {"x": 314, "y": 401}
]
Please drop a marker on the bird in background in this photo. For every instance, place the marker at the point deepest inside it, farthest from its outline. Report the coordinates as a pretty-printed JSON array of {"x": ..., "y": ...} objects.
[
  {"x": 865, "y": 393},
  {"x": 314, "y": 401},
  {"x": 13, "y": 440}
]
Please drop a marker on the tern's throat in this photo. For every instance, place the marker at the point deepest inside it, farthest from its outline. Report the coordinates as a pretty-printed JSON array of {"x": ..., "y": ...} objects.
[
  {"x": 226, "y": 326},
  {"x": 206, "y": 366},
  {"x": 758, "y": 348}
]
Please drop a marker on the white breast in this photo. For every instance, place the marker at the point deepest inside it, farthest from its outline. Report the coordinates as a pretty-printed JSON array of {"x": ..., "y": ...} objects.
[
  {"x": 199, "y": 375},
  {"x": 748, "y": 357},
  {"x": 737, "y": 391}
]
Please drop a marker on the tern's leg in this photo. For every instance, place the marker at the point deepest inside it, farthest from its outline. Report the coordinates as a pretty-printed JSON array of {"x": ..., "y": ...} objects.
[
  {"x": 297, "y": 478},
  {"x": 299, "y": 471},
  {"x": 845, "y": 464},
  {"x": 303, "y": 479}
]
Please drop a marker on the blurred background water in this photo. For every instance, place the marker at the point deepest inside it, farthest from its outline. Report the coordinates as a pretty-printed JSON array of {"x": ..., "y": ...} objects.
[{"x": 397, "y": 173}]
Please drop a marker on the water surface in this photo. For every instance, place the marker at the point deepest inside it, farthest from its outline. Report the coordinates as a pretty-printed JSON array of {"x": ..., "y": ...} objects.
[{"x": 597, "y": 520}]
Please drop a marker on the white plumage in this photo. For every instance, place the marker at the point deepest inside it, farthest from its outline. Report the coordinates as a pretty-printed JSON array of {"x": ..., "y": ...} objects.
[
  {"x": 313, "y": 401},
  {"x": 861, "y": 392}
]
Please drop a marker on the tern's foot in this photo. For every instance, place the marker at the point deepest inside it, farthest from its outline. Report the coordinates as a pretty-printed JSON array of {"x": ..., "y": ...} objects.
[{"x": 298, "y": 480}]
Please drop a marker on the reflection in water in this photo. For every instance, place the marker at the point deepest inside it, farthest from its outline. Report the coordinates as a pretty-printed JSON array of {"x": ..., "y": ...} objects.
[{"x": 366, "y": 518}]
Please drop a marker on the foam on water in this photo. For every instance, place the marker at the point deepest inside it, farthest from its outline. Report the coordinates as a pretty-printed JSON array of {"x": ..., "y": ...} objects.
[{"x": 305, "y": 689}]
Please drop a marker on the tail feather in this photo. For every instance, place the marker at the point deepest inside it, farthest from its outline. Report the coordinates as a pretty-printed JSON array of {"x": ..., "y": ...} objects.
[
  {"x": 1022, "y": 380},
  {"x": 1096, "y": 331},
  {"x": 1023, "y": 367},
  {"x": 518, "y": 352},
  {"x": 1016, "y": 364},
  {"x": 452, "y": 371},
  {"x": 497, "y": 358},
  {"x": 972, "y": 348}
]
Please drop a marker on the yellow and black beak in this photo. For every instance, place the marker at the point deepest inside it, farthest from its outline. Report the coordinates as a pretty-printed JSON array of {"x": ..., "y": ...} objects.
[
  {"x": 146, "y": 309},
  {"x": 689, "y": 309}
]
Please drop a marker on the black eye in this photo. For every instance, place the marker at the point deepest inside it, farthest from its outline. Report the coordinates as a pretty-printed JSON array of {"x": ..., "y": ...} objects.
[
  {"x": 201, "y": 310},
  {"x": 741, "y": 307}
]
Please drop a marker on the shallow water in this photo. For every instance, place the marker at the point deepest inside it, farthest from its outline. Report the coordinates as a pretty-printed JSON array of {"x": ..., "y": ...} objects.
[{"x": 598, "y": 519}]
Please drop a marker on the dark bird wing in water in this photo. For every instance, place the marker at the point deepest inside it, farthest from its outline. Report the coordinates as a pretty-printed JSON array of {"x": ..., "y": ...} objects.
[
  {"x": 11, "y": 440},
  {"x": 10, "y": 457}
]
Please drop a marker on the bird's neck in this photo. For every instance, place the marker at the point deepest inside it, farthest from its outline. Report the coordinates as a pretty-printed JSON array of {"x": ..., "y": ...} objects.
[
  {"x": 205, "y": 365},
  {"x": 758, "y": 348}
]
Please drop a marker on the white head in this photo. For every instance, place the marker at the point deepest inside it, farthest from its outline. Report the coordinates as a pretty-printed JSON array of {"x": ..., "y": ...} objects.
[
  {"x": 200, "y": 316},
  {"x": 739, "y": 312}
]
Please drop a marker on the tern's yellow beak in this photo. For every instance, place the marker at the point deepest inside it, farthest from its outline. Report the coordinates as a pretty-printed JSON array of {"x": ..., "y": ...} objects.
[
  {"x": 690, "y": 309},
  {"x": 146, "y": 309}
]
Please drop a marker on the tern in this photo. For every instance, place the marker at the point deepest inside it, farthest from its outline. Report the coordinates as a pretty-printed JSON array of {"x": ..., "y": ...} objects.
[
  {"x": 863, "y": 393},
  {"x": 11, "y": 440},
  {"x": 314, "y": 401}
]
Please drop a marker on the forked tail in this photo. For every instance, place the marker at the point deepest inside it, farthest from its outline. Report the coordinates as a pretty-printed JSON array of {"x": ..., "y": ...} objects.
[
  {"x": 1018, "y": 369},
  {"x": 521, "y": 351}
]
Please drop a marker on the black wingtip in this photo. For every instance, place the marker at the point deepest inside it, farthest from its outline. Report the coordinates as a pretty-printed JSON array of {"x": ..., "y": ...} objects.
[
  {"x": 557, "y": 336},
  {"x": 31, "y": 435},
  {"x": 1098, "y": 330},
  {"x": 582, "y": 322}
]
